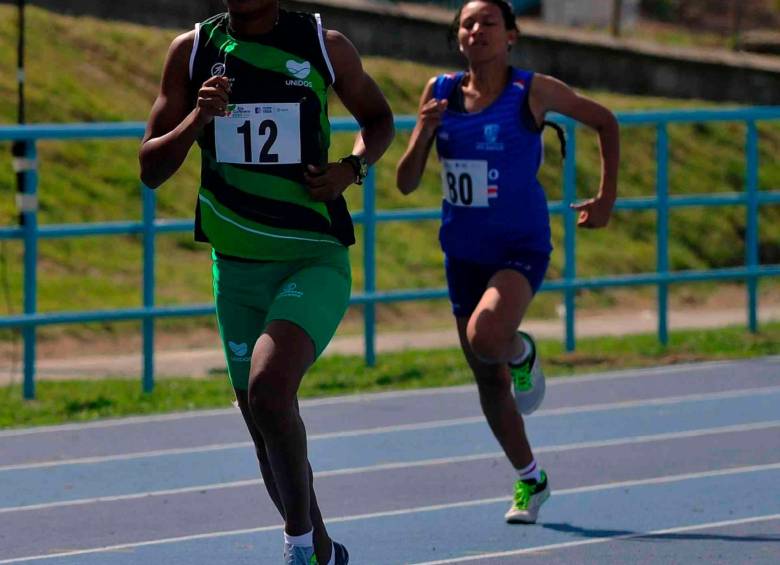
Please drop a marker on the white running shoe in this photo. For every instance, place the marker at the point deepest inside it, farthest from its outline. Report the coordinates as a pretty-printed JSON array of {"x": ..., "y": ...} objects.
[
  {"x": 529, "y": 497},
  {"x": 528, "y": 380},
  {"x": 299, "y": 555}
]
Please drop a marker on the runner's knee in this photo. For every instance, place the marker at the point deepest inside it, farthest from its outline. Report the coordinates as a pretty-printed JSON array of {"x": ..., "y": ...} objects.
[
  {"x": 486, "y": 341},
  {"x": 271, "y": 401}
]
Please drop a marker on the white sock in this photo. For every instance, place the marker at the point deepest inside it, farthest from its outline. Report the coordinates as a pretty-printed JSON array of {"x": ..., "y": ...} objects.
[
  {"x": 531, "y": 471},
  {"x": 528, "y": 348},
  {"x": 304, "y": 540}
]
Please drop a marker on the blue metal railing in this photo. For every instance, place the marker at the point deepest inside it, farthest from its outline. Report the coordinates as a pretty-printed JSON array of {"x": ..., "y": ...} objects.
[{"x": 752, "y": 198}]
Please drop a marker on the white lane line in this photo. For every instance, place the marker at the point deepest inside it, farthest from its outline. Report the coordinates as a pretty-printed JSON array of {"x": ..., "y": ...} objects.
[
  {"x": 405, "y": 511},
  {"x": 112, "y": 423},
  {"x": 126, "y": 456},
  {"x": 691, "y": 528},
  {"x": 135, "y": 420},
  {"x": 227, "y": 446},
  {"x": 701, "y": 432},
  {"x": 651, "y": 371},
  {"x": 405, "y": 465},
  {"x": 434, "y": 424},
  {"x": 659, "y": 401},
  {"x": 369, "y": 397}
]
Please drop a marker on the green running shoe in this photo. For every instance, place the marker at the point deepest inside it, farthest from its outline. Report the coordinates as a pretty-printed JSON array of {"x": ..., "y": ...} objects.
[
  {"x": 529, "y": 497},
  {"x": 528, "y": 380}
]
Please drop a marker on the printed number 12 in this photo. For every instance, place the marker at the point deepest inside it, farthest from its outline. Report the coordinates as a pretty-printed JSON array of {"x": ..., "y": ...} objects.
[{"x": 266, "y": 126}]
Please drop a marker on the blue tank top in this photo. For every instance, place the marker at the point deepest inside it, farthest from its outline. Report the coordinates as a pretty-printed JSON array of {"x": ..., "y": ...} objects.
[{"x": 493, "y": 205}]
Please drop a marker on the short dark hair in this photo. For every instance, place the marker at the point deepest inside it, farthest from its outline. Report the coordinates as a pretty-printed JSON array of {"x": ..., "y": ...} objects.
[{"x": 507, "y": 13}]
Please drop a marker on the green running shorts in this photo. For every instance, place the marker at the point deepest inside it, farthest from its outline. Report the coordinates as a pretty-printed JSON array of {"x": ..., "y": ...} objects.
[{"x": 312, "y": 293}]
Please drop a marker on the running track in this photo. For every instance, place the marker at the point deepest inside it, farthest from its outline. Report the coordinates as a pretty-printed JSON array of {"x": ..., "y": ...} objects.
[{"x": 668, "y": 465}]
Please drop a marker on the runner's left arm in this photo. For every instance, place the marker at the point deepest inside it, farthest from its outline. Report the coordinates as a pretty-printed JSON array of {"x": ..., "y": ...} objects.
[
  {"x": 362, "y": 97},
  {"x": 549, "y": 94}
]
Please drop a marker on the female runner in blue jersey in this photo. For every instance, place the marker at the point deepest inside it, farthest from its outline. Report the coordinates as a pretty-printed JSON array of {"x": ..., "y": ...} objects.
[{"x": 495, "y": 233}]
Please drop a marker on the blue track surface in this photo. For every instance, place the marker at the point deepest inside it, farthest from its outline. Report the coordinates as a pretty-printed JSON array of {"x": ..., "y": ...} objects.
[{"x": 667, "y": 465}]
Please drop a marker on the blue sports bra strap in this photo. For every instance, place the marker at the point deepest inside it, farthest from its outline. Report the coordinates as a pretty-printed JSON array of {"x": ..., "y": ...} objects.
[
  {"x": 524, "y": 79},
  {"x": 444, "y": 84}
]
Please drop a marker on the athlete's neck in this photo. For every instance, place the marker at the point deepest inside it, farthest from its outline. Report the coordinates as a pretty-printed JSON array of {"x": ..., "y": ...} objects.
[
  {"x": 254, "y": 23},
  {"x": 488, "y": 79}
]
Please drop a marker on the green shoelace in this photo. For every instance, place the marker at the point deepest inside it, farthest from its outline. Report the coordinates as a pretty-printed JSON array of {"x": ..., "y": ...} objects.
[{"x": 523, "y": 494}]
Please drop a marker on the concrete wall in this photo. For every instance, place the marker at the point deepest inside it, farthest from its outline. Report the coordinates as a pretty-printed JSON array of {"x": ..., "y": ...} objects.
[
  {"x": 419, "y": 33},
  {"x": 658, "y": 71},
  {"x": 593, "y": 12}
]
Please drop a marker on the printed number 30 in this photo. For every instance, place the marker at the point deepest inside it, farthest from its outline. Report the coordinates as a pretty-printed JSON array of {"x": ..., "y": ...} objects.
[
  {"x": 461, "y": 187},
  {"x": 266, "y": 127}
]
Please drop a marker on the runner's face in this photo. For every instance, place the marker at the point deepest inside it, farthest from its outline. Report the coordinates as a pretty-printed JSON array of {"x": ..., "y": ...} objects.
[
  {"x": 239, "y": 7},
  {"x": 482, "y": 34}
]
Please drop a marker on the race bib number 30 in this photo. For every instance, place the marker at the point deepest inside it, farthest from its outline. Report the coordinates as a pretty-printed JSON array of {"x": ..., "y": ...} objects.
[
  {"x": 259, "y": 134},
  {"x": 465, "y": 182}
]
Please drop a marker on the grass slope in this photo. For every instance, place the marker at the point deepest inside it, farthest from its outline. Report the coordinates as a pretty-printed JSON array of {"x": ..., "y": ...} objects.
[
  {"x": 91, "y": 70},
  {"x": 73, "y": 401}
]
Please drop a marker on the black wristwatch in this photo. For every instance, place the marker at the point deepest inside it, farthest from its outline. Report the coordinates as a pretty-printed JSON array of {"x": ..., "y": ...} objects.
[{"x": 359, "y": 165}]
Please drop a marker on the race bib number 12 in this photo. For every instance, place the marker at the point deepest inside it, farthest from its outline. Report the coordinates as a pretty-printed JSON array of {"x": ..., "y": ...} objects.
[
  {"x": 259, "y": 134},
  {"x": 465, "y": 182}
]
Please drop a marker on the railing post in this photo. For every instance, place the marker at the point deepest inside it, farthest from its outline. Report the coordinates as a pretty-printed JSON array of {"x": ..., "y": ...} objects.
[
  {"x": 569, "y": 233},
  {"x": 149, "y": 202},
  {"x": 369, "y": 266},
  {"x": 28, "y": 208},
  {"x": 662, "y": 228},
  {"x": 751, "y": 232}
]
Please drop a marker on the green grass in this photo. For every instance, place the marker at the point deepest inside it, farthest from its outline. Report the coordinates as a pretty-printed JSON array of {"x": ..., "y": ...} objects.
[
  {"x": 78, "y": 401},
  {"x": 109, "y": 71}
]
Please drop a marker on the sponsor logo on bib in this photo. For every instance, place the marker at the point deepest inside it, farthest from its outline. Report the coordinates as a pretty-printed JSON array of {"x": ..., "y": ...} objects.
[{"x": 236, "y": 111}]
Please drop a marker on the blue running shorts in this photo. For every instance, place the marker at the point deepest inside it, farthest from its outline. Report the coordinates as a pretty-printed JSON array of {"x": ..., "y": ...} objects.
[{"x": 467, "y": 281}]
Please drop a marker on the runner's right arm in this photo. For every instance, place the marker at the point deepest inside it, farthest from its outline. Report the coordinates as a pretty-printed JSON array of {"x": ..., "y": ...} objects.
[
  {"x": 412, "y": 165},
  {"x": 173, "y": 124}
]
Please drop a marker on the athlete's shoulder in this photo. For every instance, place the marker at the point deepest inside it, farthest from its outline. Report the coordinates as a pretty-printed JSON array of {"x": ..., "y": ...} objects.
[
  {"x": 442, "y": 85},
  {"x": 339, "y": 48},
  {"x": 188, "y": 37},
  {"x": 546, "y": 87},
  {"x": 181, "y": 47},
  {"x": 450, "y": 75}
]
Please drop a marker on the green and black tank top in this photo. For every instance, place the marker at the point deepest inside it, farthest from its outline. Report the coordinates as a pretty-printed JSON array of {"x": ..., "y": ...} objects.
[{"x": 252, "y": 202}]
